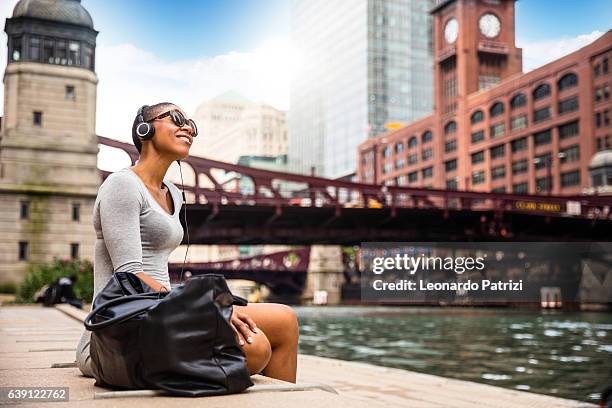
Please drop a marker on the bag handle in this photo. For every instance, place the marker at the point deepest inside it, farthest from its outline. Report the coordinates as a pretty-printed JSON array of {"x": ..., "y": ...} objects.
[{"x": 118, "y": 319}]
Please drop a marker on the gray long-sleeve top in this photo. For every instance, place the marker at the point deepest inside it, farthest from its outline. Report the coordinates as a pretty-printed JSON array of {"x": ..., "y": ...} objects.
[{"x": 134, "y": 234}]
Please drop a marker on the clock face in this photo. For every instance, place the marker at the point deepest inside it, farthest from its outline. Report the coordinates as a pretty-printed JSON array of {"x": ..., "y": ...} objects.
[
  {"x": 489, "y": 25},
  {"x": 451, "y": 30}
]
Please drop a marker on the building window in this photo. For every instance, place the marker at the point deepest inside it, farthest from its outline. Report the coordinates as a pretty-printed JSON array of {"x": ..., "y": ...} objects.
[
  {"x": 451, "y": 184},
  {"x": 567, "y": 81},
  {"x": 16, "y": 48},
  {"x": 413, "y": 177},
  {"x": 498, "y": 172},
  {"x": 399, "y": 163},
  {"x": 427, "y": 154},
  {"x": 498, "y": 189},
  {"x": 23, "y": 250},
  {"x": 37, "y": 118},
  {"x": 541, "y": 114},
  {"x": 76, "y": 212},
  {"x": 387, "y": 168},
  {"x": 412, "y": 142},
  {"x": 518, "y": 101},
  {"x": 498, "y": 130},
  {"x": 427, "y": 137},
  {"x": 412, "y": 158},
  {"x": 89, "y": 57},
  {"x": 450, "y": 165},
  {"x": 520, "y": 188},
  {"x": 48, "y": 45},
  {"x": 541, "y": 92},
  {"x": 477, "y": 117},
  {"x": 70, "y": 93},
  {"x": 568, "y": 105},
  {"x": 386, "y": 151},
  {"x": 74, "y": 250},
  {"x": 597, "y": 70},
  {"x": 518, "y": 122},
  {"x": 450, "y": 146},
  {"x": 61, "y": 52},
  {"x": 602, "y": 93},
  {"x": 498, "y": 151},
  {"x": 477, "y": 136},
  {"x": 478, "y": 157},
  {"x": 497, "y": 109},
  {"x": 569, "y": 154},
  {"x": 478, "y": 177},
  {"x": 604, "y": 143},
  {"x": 519, "y": 167},
  {"x": 450, "y": 128},
  {"x": 427, "y": 172},
  {"x": 34, "y": 49},
  {"x": 604, "y": 65},
  {"x": 543, "y": 184},
  {"x": 568, "y": 130},
  {"x": 74, "y": 53},
  {"x": 399, "y": 147},
  {"x": 401, "y": 180},
  {"x": 542, "y": 160},
  {"x": 24, "y": 210},
  {"x": 570, "y": 178},
  {"x": 519, "y": 144}
]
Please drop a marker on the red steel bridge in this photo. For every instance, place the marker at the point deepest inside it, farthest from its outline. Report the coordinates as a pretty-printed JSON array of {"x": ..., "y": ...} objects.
[{"x": 233, "y": 204}]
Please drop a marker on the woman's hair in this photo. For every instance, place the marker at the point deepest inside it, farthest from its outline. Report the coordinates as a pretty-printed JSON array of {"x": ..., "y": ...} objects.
[{"x": 145, "y": 113}]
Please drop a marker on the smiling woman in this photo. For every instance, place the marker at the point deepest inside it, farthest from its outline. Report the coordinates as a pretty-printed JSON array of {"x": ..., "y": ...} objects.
[{"x": 136, "y": 218}]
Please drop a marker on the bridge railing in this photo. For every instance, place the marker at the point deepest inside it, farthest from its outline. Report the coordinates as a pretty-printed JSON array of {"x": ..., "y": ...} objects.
[{"x": 219, "y": 183}]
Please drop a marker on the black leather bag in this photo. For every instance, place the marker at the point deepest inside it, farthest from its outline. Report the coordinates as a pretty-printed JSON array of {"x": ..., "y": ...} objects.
[{"x": 179, "y": 341}]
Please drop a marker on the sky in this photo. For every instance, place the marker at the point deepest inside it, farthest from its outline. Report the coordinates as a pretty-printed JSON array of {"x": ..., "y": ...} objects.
[{"x": 188, "y": 51}]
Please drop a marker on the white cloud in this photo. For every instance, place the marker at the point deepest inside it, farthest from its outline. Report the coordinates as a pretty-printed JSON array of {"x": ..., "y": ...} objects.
[
  {"x": 538, "y": 53},
  {"x": 130, "y": 77}
]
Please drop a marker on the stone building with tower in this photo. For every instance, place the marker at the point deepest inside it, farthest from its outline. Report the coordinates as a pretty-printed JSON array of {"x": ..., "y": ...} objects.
[
  {"x": 495, "y": 128},
  {"x": 48, "y": 145}
]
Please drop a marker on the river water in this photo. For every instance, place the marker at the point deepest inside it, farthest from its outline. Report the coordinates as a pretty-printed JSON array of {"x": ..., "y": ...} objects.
[{"x": 565, "y": 354}]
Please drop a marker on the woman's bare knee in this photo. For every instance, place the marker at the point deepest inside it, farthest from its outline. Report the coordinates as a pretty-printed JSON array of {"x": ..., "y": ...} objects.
[{"x": 258, "y": 352}]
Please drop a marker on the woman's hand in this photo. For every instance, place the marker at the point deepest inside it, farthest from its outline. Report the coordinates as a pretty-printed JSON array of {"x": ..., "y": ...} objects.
[{"x": 243, "y": 325}]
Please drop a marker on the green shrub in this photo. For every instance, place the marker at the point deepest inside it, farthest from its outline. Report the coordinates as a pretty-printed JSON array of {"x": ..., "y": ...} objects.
[
  {"x": 45, "y": 274},
  {"x": 9, "y": 287}
]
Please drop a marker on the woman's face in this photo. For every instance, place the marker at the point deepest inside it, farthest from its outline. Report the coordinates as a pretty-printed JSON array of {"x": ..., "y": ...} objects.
[{"x": 171, "y": 138}]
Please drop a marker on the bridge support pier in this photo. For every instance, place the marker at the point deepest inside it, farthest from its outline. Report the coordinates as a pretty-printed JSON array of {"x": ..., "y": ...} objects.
[{"x": 325, "y": 275}]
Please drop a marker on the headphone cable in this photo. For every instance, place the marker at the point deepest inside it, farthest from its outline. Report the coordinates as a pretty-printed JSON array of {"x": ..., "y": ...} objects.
[{"x": 185, "y": 219}]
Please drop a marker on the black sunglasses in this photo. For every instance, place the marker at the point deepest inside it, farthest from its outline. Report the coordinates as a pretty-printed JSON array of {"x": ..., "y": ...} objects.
[{"x": 179, "y": 120}]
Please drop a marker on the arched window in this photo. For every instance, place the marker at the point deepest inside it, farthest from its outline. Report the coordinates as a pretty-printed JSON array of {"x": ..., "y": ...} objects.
[
  {"x": 412, "y": 142},
  {"x": 497, "y": 109},
  {"x": 451, "y": 127},
  {"x": 567, "y": 81},
  {"x": 541, "y": 91},
  {"x": 427, "y": 137},
  {"x": 477, "y": 116},
  {"x": 518, "y": 100}
]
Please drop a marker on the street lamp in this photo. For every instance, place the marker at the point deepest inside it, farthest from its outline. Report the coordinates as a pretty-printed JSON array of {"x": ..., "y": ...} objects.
[{"x": 548, "y": 163}]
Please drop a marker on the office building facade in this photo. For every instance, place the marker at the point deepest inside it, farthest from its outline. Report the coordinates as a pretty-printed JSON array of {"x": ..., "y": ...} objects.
[{"x": 364, "y": 64}]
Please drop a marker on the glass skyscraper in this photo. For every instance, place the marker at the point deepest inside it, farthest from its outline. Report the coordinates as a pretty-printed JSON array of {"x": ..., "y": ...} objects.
[{"x": 364, "y": 63}]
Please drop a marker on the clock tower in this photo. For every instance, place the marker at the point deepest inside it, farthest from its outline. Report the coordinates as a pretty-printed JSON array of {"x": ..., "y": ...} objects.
[{"x": 474, "y": 48}]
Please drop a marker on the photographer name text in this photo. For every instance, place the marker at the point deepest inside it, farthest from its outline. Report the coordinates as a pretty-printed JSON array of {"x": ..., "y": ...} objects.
[{"x": 423, "y": 285}]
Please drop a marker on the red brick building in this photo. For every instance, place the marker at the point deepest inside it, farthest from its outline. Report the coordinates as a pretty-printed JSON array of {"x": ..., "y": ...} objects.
[{"x": 493, "y": 127}]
